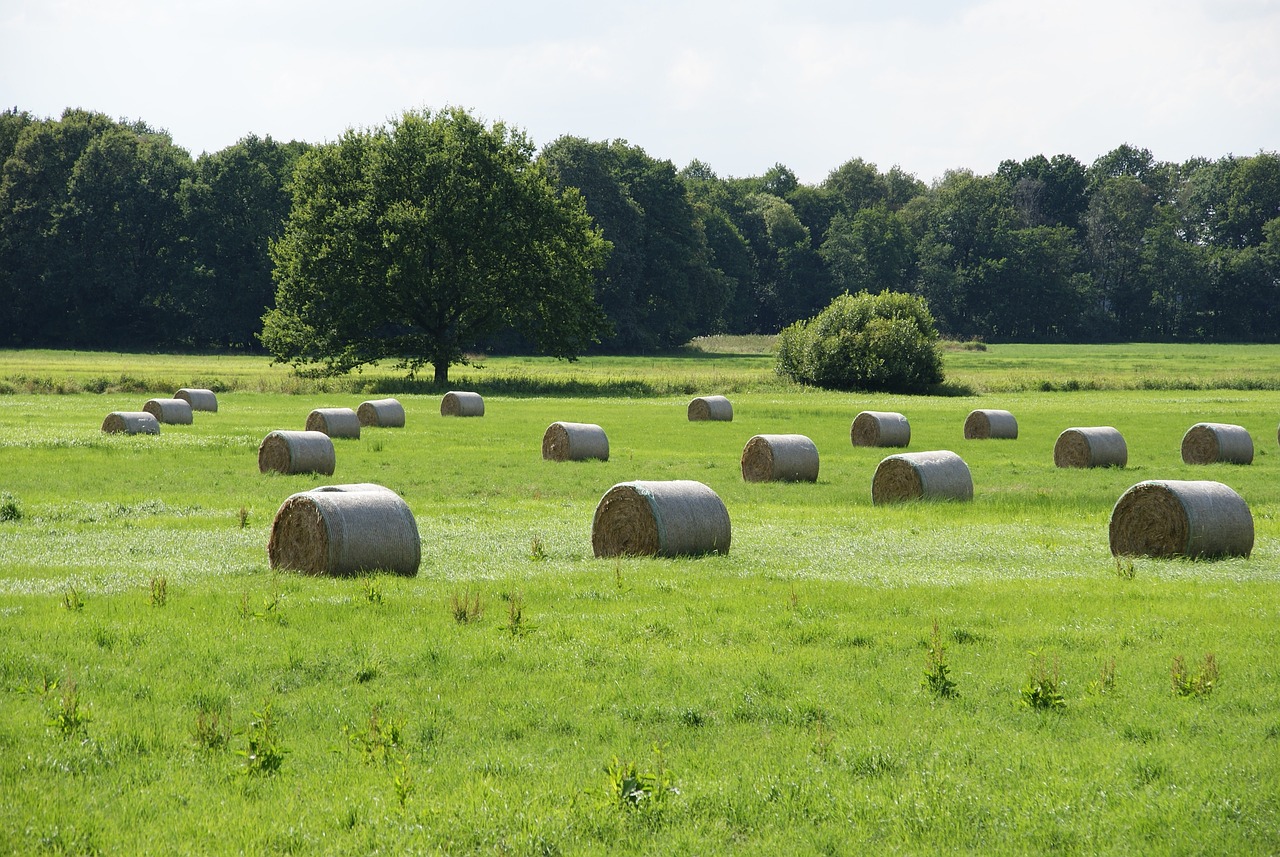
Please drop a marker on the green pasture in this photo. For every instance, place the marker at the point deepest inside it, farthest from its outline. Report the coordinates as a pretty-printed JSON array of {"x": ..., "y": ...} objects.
[{"x": 163, "y": 691}]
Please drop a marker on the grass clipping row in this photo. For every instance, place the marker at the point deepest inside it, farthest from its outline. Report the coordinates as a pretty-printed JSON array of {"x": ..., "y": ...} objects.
[
  {"x": 1169, "y": 518},
  {"x": 676, "y": 518},
  {"x": 344, "y": 530}
]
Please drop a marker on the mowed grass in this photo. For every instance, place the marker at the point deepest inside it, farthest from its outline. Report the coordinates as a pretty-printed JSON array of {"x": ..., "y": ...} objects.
[{"x": 162, "y": 690}]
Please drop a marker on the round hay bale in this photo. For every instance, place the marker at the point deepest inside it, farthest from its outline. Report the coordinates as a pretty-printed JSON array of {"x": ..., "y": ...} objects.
[
  {"x": 1092, "y": 446},
  {"x": 131, "y": 422},
  {"x": 716, "y": 408},
  {"x": 293, "y": 452},
  {"x": 780, "y": 458},
  {"x": 335, "y": 422},
  {"x": 1211, "y": 443},
  {"x": 676, "y": 518},
  {"x": 880, "y": 428},
  {"x": 381, "y": 413},
  {"x": 937, "y": 475},
  {"x": 345, "y": 529},
  {"x": 198, "y": 399},
  {"x": 574, "y": 442},
  {"x": 1162, "y": 518},
  {"x": 989, "y": 424},
  {"x": 170, "y": 411},
  {"x": 459, "y": 404}
]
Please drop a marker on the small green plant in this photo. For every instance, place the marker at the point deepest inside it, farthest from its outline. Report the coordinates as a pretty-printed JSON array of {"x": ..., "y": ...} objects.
[
  {"x": 159, "y": 591},
  {"x": 378, "y": 739},
  {"x": 1125, "y": 569},
  {"x": 537, "y": 551},
  {"x": 403, "y": 782},
  {"x": 465, "y": 608},
  {"x": 68, "y": 717},
  {"x": 937, "y": 676},
  {"x": 1106, "y": 680},
  {"x": 515, "y": 614},
  {"x": 1044, "y": 687},
  {"x": 372, "y": 589},
  {"x": 10, "y": 509},
  {"x": 263, "y": 753},
  {"x": 243, "y": 517},
  {"x": 634, "y": 790},
  {"x": 208, "y": 732},
  {"x": 1201, "y": 684},
  {"x": 71, "y": 600}
]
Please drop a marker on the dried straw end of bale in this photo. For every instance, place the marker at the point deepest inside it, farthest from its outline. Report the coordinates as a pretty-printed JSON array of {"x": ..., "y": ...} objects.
[
  {"x": 198, "y": 399},
  {"x": 1211, "y": 443},
  {"x": 716, "y": 408},
  {"x": 460, "y": 404},
  {"x": 988, "y": 424},
  {"x": 1175, "y": 518},
  {"x": 780, "y": 458},
  {"x": 170, "y": 411},
  {"x": 293, "y": 452},
  {"x": 676, "y": 518},
  {"x": 381, "y": 413},
  {"x": 131, "y": 422},
  {"x": 880, "y": 428},
  {"x": 345, "y": 529},
  {"x": 1092, "y": 446},
  {"x": 335, "y": 422},
  {"x": 937, "y": 475},
  {"x": 574, "y": 442}
]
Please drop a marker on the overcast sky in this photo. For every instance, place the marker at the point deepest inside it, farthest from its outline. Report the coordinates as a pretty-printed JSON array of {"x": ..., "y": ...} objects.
[{"x": 927, "y": 85}]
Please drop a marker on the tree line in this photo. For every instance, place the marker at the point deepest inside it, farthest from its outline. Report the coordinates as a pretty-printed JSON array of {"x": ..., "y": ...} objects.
[{"x": 113, "y": 237}]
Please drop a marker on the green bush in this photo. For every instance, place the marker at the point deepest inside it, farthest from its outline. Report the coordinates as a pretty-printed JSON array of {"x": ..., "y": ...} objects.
[{"x": 885, "y": 342}]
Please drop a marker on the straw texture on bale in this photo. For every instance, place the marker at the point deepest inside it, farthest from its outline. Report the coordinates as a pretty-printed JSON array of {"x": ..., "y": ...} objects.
[
  {"x": 460, "y": 404},
  {"x": 335, "y": 422},
  {"x": 986, "y": 424},
  {"x": 198, "y": 399},
  {"x": 1162, "y": 518},
  {"x": 676, "y": 518},
  {"x": 780, "y": 458},
  {"x": 1091, "y": 446},
  {"x": 170, "y": 411},
  {"x": 880, "y": 428},
  {"x": 296, "y": 452},
  {"x": 381, "y": 413},
  {"x": 716, "y": 408},
  {"x": 1210, "y": 443},
  {"x": 345, "y": 529},
  {"x": 131, "y": 422},
  {"x": 574, "y": 442},
  {"x": 937, "y": 475}
]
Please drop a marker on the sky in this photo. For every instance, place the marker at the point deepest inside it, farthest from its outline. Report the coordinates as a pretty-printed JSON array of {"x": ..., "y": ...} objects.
[{"x": 925, "y": 85}]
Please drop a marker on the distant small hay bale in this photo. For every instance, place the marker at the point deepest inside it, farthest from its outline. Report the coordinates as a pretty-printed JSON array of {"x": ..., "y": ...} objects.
[
  {"x": 175, "y": 412},
  {"x": 1166, "y": 518},
  {"x": 780, "y": 458},
  {"x": 713, "y": 408},
  {"x": 293, "y": 452},
  {"x": 460, "y": 404},
  {"x": 574, "y": 442},
  {"x": 343, "y": 530},
  {"x": 1211, "y": 443},
  {"x": 675, "y": 518},
  {"x": 988, "y": 424},
  {"x": 880, "y": 428},
  {"x": 936, "y": 475},
  {"x": 381, "y": 413},
  {"x": 1091, "y": 446},
  {"x": 131, "y": 422},
  {"x": 335, "y": 422},
  {"x": 200, "y": 400}
]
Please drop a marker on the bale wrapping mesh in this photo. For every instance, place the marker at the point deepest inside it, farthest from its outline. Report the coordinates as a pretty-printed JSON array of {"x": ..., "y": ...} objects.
[
  {"x": 935, "y": 475},
  {"x": 343, "y": 530},
  {"x": 780, "y": 458},
  {"x": 714, "y": 408},
  {"x": 990, "y": 424},
  {"x": 457, "y": 403},
  {"x": 675, "y": 518},
  {"x": 1090, "y": 446},
  {"x": 880, "y": 428},
  {"x": 335, "y": 422},
  {"x": 1213, "y": 443},
  {"x": 293, "y": 452},
  {"x": 381, "y": 413},
  {"x": 1167, "y": 518},
  {"x": 574, "y": 442}
]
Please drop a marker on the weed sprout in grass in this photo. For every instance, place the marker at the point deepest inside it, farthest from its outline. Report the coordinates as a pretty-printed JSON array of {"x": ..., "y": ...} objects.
[
  {"x": 464, "y": 608},
  {"x": 159, "y": 591},
  {"x": 69, "y": 718},
  {"x": 263, "y": 753},
  {"x": 1044, "y": 688},
  {"x": 1200, "y": 684},
  {"x": 936, "y": 670}
]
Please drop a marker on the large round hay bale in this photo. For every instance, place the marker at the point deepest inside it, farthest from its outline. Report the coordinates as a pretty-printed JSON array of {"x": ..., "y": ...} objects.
[
  {"x": 460, "y": 404},
  {"x": 936, "y": 475},
  {"x": 296, "y": 452},
  {"x": 715, "y": 408},
  {"x": 381, "y": 413},
  {"x": 1091, "y": 446},
  {"x": 345, "y": 529},
  {"x": 131, "y": 422},
  {"x": 574, "y": 442},
  {"x": 1211, "y": 443},
  {"x": 176, "y": 412},
  {"x": 880, "y": 428},
  {"x": 990, "y": 424},
  {"x": 780, "y": 458},
  {"x": 198, "y": 399},
  {"x": 1175, "y": 518},
  {"x": 335, "y": 422},
  {"x": 675, "y": 518}
]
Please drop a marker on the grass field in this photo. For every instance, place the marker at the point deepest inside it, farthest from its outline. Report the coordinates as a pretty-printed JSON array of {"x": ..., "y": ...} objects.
[{"x": 163, "y": 691}]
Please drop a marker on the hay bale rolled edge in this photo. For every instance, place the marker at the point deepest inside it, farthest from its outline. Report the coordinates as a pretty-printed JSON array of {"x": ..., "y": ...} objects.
[
  {"x": 170, "y": 411},
  {"x": 1166, "y": 518},
  {"x": 1090, "y": 446},
  {"x": 199, "y": 399},
  {"x": 574, "y": 442},
  {"x": 780, "y": 458},
  {"x": 1213, "y": 443},
  {"x": 675, "y": 518},
  {"x": 711, "y": 408},
  {"x": 457, "y": 403},
  {"x": 335, "y": 422},
  {"x": 381, "y": 413},
  {"x": 990, "y": 424},
  {"x": 880, "y": 428},
  {"x": 345, "y": 529},
  {"x": 131, "y": 422},
  {"x": 293, "y": 452},
  {"x": 934, "y": 475}
]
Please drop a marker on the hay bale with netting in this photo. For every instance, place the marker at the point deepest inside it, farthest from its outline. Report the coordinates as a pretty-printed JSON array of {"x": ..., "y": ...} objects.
[
  {"x": 935, "y": 475},
  {"x": 131, "y": 422},
  {"x": 1167, "y": 518},
  {"x": 335, "y": 422},
  {"x": 1213, "y": 443},
  {"x": 880, "y": 428},
  {"x": 293, "y": 452},
  {"x": 198, "y": 399},
  {"x": 1091, "y": 446},
  {"x": 711, "y": 408},
  {"x": 457, "y": 403},
  {"x": 675, "y": 518},
  {"x": 174, "y": 412},
  {"x": 990, "y": 424},
  {"x": 780, "y": 458},
  {"x": 345, "y": 529},
  {"x": 574, "y": 442},
  {"x": 381, "y": 413}
]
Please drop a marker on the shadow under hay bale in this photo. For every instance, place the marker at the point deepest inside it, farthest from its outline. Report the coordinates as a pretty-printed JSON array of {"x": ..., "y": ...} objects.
[
  {"x": 1168, "y": 518},
  {"x": 574, "y": 442},
  {"x": 176, "y": 412},
  {"x": 675, "y": 518},
  {"x": 711, "y": 408},
  {"x": 343, "y": 530},
  {"x": 198, "y": 399},
  {"x": 461, "y": 404},
  {"x": 381, "y": 413},
  {"x": 780, "y": 458},
  {"x": 293, "y": 452},
  {"x": 988, "y": 424},
  {"x": 935, "y": 475},
  {"x": 880, "y": 428},
  {"x": 1213, "y": 443},
  {"x": 335, "y": 422},
  {"x": 1091, "y": 446},
  {"x": 131, "y": 422}
]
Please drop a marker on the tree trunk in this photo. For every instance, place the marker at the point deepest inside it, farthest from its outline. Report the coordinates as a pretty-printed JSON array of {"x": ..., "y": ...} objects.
[{"x": 442, "y": 373}]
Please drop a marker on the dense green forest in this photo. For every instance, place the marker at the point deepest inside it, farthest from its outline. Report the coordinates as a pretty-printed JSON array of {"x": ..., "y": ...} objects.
[{"x": 113, "y": 237}]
